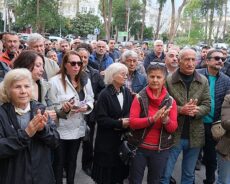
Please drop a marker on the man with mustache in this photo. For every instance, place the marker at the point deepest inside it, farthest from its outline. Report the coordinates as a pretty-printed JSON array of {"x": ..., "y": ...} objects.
[
  {"x": 219, "y": 85},
  {"x": 191, "y": 92}
]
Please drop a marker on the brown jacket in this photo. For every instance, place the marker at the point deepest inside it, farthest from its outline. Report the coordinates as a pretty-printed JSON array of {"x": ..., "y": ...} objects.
[{"x": 223, "y": 146}]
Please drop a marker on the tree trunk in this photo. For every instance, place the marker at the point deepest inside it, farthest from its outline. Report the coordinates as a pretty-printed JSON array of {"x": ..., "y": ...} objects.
[
  {"x": 78, "y": 3},
  {"x": 225, "y": 17},
  {"x": 143, "y": 19},
  {"x": 158, "y": 21},
  {"x": 105, "y": 18},
  {"x": 110, "y": 17},
  {"x": 210, "y": 26},
  {"x": 218, "y": 25},
  {"x": 172, "y": 25},
  {"x": 206, "y": 28},
  {"x": 38, "y": 16},
  {"x": 127, "y": 8},
  {"x": 181, "y": 7}
]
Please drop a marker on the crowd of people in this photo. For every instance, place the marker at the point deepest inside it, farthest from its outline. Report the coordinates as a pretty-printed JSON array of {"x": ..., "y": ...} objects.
[{"x": 56, "y": 96}]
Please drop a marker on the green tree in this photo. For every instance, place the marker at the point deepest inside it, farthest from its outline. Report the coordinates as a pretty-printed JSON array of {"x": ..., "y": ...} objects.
[
  {"x": 46, "y": 16},
  {"x": 119, "y": 14},
  {"x": 208, "y": 8},
  {"x": 148, "y": 33},
  {"x": 84, "y": 24}
]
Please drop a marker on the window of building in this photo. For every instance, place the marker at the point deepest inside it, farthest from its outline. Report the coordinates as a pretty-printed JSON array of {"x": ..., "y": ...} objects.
[{"x": 83, "y": 9}]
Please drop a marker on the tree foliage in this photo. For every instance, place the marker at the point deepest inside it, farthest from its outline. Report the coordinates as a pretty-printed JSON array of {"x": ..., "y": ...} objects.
[
  {"x": 47, "y": 17},
  {"x": 119, "y": 13},
  {"x": 84, "y": 24}
]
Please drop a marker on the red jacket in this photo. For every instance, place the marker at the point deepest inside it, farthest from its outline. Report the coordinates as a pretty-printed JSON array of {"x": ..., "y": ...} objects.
[
  {"x": 151, "y": 140},
  {"x": 5, "y": 58}
]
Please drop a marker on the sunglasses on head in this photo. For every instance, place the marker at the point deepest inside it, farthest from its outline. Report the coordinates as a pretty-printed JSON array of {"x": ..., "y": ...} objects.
[
  {"x": 157, "y": 63},
  {"x": 74, "y": 63},
  {"x": 218, "y": 58}
]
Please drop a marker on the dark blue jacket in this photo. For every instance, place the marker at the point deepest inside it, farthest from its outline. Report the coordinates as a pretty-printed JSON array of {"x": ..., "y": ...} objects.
[
  {"x": 25, "y": 159},
  {"x": 100, "y": 66},
  {"x": 221, "y": 88},
  {"x": 138, "y": 82},
  {"x": 226, "y": 68},
  {"x": 150, "y": 57},
  {"x": 115, "y": 55},
  {"x": 4, "y": 68}
]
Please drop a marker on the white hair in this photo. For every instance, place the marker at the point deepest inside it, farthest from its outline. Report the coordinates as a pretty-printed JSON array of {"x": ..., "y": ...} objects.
[
  {"x": 112, "y": 70},
  {"x": 11, "y": 77}
]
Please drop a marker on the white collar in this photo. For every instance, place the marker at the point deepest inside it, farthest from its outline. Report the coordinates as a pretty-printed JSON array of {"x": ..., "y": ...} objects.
[{"x": 22, "y": 111}]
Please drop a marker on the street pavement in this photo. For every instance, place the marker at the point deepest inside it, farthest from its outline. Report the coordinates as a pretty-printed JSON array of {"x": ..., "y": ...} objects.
[{"x": 82, "y": 178}]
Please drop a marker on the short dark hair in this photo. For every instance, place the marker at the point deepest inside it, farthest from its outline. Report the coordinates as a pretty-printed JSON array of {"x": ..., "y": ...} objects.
[
  {"x": 211, "y": 52},
  {"x": 205, "y": 47},
  {"x": 157, "y": 64},
  {"x": 86, "y": 46}
]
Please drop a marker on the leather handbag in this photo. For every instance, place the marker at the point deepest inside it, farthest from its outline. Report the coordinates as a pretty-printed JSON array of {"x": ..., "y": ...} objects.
[{"x": 217, "y": 130}]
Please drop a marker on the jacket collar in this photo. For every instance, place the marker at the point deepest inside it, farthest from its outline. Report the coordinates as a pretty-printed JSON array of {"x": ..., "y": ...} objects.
[
  {"x": 207, "y": 73},
  {"x": 177, "y": 78},
  {"x": 113, "y": 91}
]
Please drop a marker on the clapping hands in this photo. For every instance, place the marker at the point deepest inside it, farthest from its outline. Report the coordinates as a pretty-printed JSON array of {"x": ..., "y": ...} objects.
[
  {"x": 190, "y": 108},
  {"x": 37, "y": 123}
]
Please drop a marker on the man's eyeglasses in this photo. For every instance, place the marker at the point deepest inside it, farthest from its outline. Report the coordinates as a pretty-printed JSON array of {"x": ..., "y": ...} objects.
[
  {"x": 218, "y": 58},
  {"x": 74, "y": 63}
]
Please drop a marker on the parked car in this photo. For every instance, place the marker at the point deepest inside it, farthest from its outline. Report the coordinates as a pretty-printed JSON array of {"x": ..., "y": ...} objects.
[{"x": 55, "y": 38}]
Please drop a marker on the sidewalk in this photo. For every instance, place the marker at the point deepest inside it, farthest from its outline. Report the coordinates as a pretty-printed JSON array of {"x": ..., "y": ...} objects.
[{"x": 82, "y": 178}]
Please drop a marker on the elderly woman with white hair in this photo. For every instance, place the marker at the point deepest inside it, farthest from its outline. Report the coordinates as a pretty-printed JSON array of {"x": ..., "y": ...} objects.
[
  {"x": 27, "y": 133},
  {"x": 112, "y": 112}
]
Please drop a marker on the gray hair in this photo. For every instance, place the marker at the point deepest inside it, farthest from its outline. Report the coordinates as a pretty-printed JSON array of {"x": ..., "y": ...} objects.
[
  {"x": 11, "y": 77},
  {"x": 34, "y": 37},
  {"x": 158, "y": 41},
  {"x": 184, "y": 51},
  {"x": 112, "y": 70},
  {"x": 50, "y": 52},
  {"x": 128, "y": 53}
]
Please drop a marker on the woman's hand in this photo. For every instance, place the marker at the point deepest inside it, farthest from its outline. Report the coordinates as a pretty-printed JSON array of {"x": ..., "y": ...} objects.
[
  {"x": 165, "y": 114},
  {"x": 161, "y": 113},
  {"x": 125, "y": 122},
  {"x": 67, "y": 106},
  {"x": 44, "y": 120},
  {"x": 83, "y": 108},
  {"x": 52, "y": 114},
  {"x": 37, "y": 123}
]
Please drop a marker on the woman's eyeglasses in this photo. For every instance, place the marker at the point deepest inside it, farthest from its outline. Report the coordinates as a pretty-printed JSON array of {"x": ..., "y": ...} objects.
[
  {"x": 218, "y": 58},
  {"x": 74, "y": 63}
]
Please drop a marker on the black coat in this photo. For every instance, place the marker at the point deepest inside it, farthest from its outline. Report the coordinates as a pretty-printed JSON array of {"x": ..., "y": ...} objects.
[
  {"x": 109, "y": 131},
  {"x": 25, "y": 160}
]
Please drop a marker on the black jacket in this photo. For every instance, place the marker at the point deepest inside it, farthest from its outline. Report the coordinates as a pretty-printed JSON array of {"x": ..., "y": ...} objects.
[
  {"x": 109, "y": 131},
  {"x": 25, "y": 160}
]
